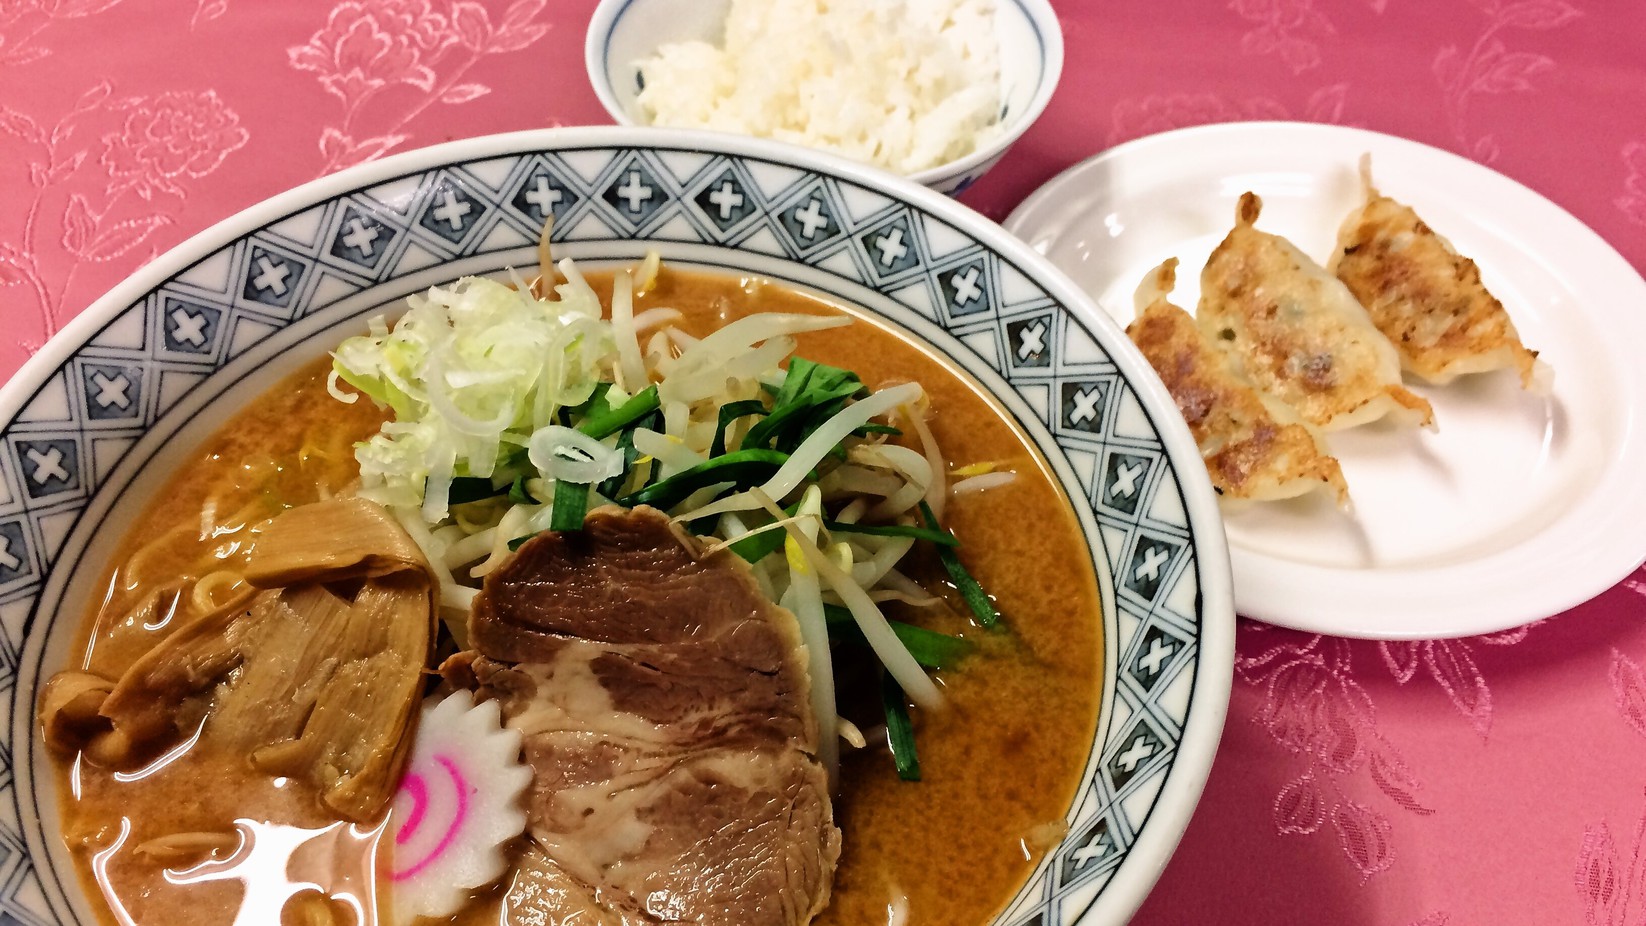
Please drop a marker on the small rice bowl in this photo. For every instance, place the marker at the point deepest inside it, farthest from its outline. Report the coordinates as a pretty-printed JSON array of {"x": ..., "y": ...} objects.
[{"x": 905, "y": 86}]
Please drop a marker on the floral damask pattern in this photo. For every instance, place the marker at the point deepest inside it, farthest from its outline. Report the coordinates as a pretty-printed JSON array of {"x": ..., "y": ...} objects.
[
  {"x": 1633, "y": 200},
  {"x": 1141, "y": 116},
  {"x": 1313, "y": 706},
  {"x": 1491, "y": 67},
  {"x": 1451, "y": 664},
  {"x": 1611, "y": 876},
  {"x": 167, "y": 138},
  {"x": 368, "y": 47},
  {"x": 154, "y": 146},
  {"x": 1629, "y": 691},
  {"x": 23, "y": 23},
  {"x": 1288, "y": 28}
]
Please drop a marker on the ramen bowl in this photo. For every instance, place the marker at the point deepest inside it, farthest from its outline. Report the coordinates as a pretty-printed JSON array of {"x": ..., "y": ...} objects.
[
  {"x": 101, "y": 416},
  {"x": 622, "y": 32}
]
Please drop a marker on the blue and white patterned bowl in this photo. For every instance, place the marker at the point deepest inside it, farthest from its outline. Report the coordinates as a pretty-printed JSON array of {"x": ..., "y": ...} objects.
[
  {"x": 93, "y": 424},
  {"x": 623, "y": 32}
]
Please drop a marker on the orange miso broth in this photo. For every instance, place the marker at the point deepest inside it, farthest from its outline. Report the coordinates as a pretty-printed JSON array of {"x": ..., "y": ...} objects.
[
  {"x": 143, "y": 840},
  {"x": 1000, "y": 765}
]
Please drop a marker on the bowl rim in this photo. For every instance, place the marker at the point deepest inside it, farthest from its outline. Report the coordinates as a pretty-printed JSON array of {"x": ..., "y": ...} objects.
[
  {"x": 1209, "y": 699},
  {"x": 1039, "y": 13}
]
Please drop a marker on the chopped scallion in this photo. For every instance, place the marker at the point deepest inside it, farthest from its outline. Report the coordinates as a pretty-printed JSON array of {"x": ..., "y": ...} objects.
[
  {"x": 571, "y": 503},
  {"x": 602, "y": 424},
  {"x": 745, "y": 468},
  {"x": 939, "y": 537},
  {"x": 931, "y": 649},
  {"x": 729, "y": 413},
  {"x": 899, "y": 729},
  {"x": 519, "y": 494},
  {"x": 759, "y": 546},
  {"x": 976, "y": 599},
  {"x": 465, "y": 489}
]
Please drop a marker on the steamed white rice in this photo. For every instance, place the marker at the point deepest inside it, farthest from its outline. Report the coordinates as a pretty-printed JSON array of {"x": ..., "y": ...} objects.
[{"x": 902, "y": 85}]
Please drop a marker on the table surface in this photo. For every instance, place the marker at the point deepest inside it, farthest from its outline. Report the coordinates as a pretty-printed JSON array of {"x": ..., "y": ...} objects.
[{"x": 1491, "y": 780}]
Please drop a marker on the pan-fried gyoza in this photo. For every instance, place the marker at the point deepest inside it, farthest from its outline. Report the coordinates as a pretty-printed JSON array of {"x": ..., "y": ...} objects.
[
  {"x": 1254, "y": 446},
  {"x": 1423, "y": 295},
  {"x": 1298, "y": 332}
]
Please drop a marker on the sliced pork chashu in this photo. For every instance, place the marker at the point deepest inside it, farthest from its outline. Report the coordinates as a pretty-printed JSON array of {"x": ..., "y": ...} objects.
[
  {"x": 1298, "y": 332},
  {"x": 1254, "y": 446},
  {"x": 664, "y": 707},
  {"x": 1423, "y": 295}
]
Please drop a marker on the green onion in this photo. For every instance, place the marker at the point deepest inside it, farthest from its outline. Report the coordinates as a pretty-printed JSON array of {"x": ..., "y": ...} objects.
[
  {"x": 976, "y": 599},
  {"x": 519, "y": 494},
  {"x": 761, "y": 545},
  {"x": 899, "y": 729},
  {"x": 519, "y": 542},
  {"x": 465, "y": 489},
  {"x": 873, "y": 428},
  {"x": 729, "y": 413},
  {"x": 743, "y": 467},
  {"x": 811, "y": 394},
  {"x": 931, "y": 649},
  {"x": 809, "y": 380},
  {"x": 512, "y": 458},
  {"x": 625, "y": 447},
  {"x": 600, "y": 425},
  {"x": 571, "y": 503},
  {"x": 584, "y": 408},
  {"x": 941, "y": 538},
  {"x": 765, "y": 432},
  {"x": 571, "y": 500},
  {"x": 756, "y": 548}
]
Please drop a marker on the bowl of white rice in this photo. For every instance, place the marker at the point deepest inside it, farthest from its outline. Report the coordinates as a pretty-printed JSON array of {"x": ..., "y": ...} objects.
[{"x": 933, "y": 90}]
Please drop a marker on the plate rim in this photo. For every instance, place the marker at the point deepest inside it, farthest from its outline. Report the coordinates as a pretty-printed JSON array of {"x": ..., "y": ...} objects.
[
  {"x": 1276, "y": 603},
  {"x": 1184, "y": 782}
]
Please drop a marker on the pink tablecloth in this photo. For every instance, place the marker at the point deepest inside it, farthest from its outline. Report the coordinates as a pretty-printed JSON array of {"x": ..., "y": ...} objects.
[{"x": 1495, "y": 780}]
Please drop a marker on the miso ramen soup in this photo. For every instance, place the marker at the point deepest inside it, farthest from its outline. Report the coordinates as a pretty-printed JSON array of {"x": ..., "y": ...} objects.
[{"x": 193, "y": 826}]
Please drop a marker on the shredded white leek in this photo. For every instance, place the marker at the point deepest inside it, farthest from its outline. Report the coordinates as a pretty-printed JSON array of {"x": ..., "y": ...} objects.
[
  {"x": 569, "y": 455},
  {"x": 469, "y": 370}
]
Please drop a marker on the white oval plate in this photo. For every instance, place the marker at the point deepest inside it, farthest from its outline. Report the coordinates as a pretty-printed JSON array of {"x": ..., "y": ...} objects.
[{"x": 1520, "y": 506}]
